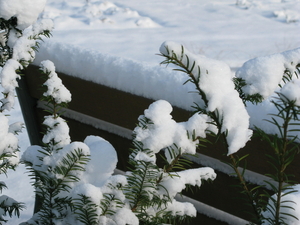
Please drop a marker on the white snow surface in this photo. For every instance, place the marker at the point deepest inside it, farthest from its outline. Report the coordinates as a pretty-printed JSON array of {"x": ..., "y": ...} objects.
[
  {"x": 102, "y": 162},
  {"x": 218, "y": 29},
  {"x": 94, "y": 15}
]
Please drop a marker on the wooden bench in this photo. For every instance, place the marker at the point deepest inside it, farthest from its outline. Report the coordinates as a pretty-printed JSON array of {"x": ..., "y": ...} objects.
[{"x": 112, "y": 114}]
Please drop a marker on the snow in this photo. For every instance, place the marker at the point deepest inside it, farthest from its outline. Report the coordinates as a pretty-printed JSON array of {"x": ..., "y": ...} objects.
[
  {"x": 8, "y": 141},
  {"x": 119, "y": 73},
  {"x": 88, "y": 190},
  {"x": 93, "y": 15},
  {"x": 290, "y": 205},
  {"x": 218, "y": 29},
  {"x": 102, "y": 163},
  {"x": 15, "y": 8},
  {"x": 291, "y": 91},
  {"x": 22, "y": 52},
  {"x": 215, "y": 80},
  {"x": 165, "y": 131},
  {"x": 55, "y": 87},
  {"x": 125, "y": 36},
  {"x": 176, "y": 183},
  {"x": 8, "y": 78},
  {"x": 57, "y": 130},
  {"x": 264, "y": 74},
  {"x": 182, "y": 208},
  {"x": 18, "y": 182},
  {"x": 125, "y": 216}
]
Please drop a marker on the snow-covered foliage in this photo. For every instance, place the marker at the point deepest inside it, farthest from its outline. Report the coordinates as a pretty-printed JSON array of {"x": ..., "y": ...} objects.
[
  {"x": 291, "y": 199},
  {"x": 157, "y": 132},
  {"x": 15, "y": 8},
  {"x": 214, "y": 80},
  {"x": 63, "y": 165},
  {"x": 257, "y": 80},
  {"x": 55, "y": 88},
  {"x": 165, "y": 131},
  {"x": 19, "y": 54},
  {"x": 274, "y": 80},
  {"x": 9, "y": 206},
  {"x": 19, "y": 33},
  {"x": 291, "y": 91},
  {"x": 59, "y": 162},
  {"x": 75, "y": 181},
  {"x": 264, "y": 75}
]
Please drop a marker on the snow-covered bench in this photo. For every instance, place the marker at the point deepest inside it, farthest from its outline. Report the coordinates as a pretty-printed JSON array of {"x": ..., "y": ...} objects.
[{"x": 109, "y": 94}]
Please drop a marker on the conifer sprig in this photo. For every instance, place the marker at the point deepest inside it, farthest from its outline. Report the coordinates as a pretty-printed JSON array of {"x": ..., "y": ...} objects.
[
  {"x": 284, "y": 151},
  {"x": 10, "y": 207},
  {"x": 86, "y": 210},
  {"x": 188, "y": 67}
]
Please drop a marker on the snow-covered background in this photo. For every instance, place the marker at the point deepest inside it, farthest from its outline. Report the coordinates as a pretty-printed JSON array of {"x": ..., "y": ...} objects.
[
  {"x": 134, "y": 30},
  {"x": 217, "y": 28}
]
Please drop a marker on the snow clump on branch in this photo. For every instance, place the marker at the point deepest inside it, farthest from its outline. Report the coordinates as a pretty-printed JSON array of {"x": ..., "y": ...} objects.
[
  {"x": 55, "y": 87},
  {"x": 22, "y": 45},
  {"x": 165, "y": 131},
  {"x": 26, "y": 11},
  {"x": 215, "y": 81},
  {"x": 263, "y": 75}
]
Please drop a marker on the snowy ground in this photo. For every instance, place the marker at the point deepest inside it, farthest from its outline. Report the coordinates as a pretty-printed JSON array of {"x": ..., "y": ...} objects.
[
  {"x": 218, "y": 29},
  {"x": 135, "y": 29}
]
